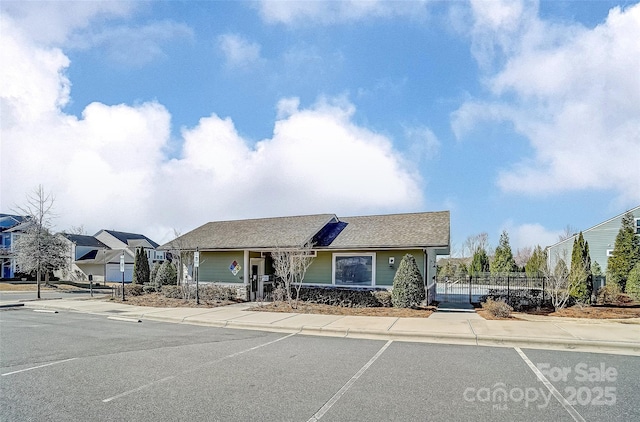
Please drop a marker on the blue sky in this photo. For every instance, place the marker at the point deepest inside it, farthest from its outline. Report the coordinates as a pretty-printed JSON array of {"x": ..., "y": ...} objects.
[{"x": 154, "y": 116}]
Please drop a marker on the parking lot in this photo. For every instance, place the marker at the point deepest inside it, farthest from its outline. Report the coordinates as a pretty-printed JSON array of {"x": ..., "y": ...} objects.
[{"x": 72, "y": 366}]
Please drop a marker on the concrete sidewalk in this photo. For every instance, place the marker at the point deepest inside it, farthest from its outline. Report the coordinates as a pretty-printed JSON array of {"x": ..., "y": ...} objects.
[{"x": 621, "y": 337}]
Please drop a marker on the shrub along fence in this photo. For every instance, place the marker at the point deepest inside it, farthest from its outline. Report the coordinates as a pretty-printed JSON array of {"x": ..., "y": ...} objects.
[{"x": 516, "y": 289}]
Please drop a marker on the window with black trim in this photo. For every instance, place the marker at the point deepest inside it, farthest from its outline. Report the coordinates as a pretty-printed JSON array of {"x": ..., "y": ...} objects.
[{"x": 354, "y": 269}]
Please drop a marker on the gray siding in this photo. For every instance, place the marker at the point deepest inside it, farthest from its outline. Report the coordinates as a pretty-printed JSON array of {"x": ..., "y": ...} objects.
[{"x": 600, "y": 238}]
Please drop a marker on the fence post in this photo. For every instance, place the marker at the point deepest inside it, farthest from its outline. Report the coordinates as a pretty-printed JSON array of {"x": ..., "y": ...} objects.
[
  {"x": 543, "y": 291},
  {"x": 508, "y": 290},
  {"x": 470, "y": 288}
]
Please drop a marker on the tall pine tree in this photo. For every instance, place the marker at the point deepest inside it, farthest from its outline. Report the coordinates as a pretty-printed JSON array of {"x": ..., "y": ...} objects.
[
  {"x": 141, "y": 271},
  {"x": 537, "y": 263},
  {"x": 479, "y": 263},
  {"x": 503, "y": 261},
  {"x": 626, "y": 252},
  {"x": 580, "y": 271}
]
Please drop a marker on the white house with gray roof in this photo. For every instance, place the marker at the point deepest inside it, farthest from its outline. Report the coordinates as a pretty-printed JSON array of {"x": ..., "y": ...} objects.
[
  {"x": 98, "y": 256},
  {"x": 353, "y": 252}
]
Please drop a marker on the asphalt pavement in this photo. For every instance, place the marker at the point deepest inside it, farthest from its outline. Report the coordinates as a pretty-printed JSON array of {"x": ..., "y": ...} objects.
[
  {"x": 73, "y": 365},
  {"x": 25, "y": 296},
  {"x": 617, "y": 336}
]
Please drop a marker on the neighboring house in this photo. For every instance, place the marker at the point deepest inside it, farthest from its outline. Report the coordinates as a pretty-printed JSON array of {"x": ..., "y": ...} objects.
[
  {"x": 128, "y": 242},
  {"x": 11, "y": 227},
  {"x": 601, "y": 239},
  {"x": 354, "y": 252},
  {"x": 88, "y": 257},
  {"x": 99, "y": 256}
]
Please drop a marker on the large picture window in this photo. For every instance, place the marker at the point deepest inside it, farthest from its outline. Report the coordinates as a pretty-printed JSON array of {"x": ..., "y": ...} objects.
[{"x": 354, "y": 269}]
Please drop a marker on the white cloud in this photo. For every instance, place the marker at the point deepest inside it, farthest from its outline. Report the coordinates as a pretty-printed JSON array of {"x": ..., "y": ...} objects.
[
  {"x": 108, "y": 168},
  {"x": 52, "y": 22},
  {"x": 132, "y": 46},
  {"x": 530, "y": 234},
  {"x": 238, "y": 51},
  {"x": 326, "y": 12},
  {"x": 424, "y": 144},
  {"x": 574, "y": 93}
]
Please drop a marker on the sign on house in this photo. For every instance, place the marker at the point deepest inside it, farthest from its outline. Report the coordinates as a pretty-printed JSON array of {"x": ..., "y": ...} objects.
[{"x": 235, "y": 268}]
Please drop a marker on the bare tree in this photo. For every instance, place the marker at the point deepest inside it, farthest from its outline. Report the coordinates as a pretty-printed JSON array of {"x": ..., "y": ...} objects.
[
  {"x": 183, "y": 257},
  {"x": 567, "y": 233},
  {"x": 559, "y": 284},
  {"x": 38, "y": 250},
  {"x": 523, "y": 255},
  {"x": 475, "y": 243},
  {"x": 291, "y": 265},
  {"x": 77, "y": 230}
]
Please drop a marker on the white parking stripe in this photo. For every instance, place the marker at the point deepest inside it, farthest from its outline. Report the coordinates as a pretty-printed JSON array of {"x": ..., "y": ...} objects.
[
  {"x": 142, "y": 387},
  {"x": 573, "y": 412},
  {"x": 324, "y": 409},
  {"x": 39, "y": 366}
]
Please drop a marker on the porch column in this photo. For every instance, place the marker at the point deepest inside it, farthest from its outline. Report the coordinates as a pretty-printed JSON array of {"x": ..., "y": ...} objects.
[{"x": 245, "y": 273}]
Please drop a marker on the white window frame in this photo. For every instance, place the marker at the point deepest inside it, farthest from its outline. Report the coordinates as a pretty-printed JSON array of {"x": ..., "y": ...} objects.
[
  {"x": 636, "y": 227},
  {"x": 353, "y": 254},
  {"x": 609, "y": 252}
]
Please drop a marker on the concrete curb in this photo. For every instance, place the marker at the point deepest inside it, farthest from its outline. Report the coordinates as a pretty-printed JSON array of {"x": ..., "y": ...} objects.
[
  {"x": 558, "y": 343},
  {"x": 11, "y": 305}
]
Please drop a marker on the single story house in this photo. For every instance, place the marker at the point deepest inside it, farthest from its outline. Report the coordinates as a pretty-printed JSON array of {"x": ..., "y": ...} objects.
[
  {"x": 601, "y": 239},
  {"x": 354, "y": 252}
]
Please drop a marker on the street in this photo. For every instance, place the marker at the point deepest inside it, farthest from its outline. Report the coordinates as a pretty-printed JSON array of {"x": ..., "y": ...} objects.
[
  {"x": 21, "y": 296},
  {"x": 72, "y": 366}
]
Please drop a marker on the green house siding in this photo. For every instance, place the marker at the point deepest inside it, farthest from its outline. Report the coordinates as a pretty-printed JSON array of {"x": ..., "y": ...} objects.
[
  {"x": 385, "y": 273},
  {"x": 320, "y": 271},
  {"x": 214, "y": 266}
]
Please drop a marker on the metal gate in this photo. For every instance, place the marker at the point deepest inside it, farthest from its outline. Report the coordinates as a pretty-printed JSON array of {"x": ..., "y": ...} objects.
[
  {"x": 454, "y": 290},
  {"x": 515, "y": 287}
]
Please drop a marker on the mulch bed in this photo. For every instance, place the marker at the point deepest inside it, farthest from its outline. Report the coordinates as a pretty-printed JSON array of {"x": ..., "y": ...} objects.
[
  {"x": 315, "y": 308},
  {"x": 598, "y": 312},
  {"x": 623, "y": 311},
  {"x": 159, "y": 301}
]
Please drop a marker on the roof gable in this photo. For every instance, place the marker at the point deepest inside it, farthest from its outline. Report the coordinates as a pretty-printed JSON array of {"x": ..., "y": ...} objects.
[
  {"x": 9, "y": 220},
  {"x": 84, "y": 240},
  {"x": 130, "y": 238},
  {"x": 618, "y": 218}
]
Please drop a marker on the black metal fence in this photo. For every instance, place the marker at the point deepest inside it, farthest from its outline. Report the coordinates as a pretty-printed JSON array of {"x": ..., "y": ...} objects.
[{"x": 516, "y": 289}]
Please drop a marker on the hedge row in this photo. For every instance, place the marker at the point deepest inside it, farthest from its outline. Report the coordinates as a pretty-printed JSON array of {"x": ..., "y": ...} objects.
[
  {"x": 349, "y": 298},
  {"x": 207, "y": 293}
]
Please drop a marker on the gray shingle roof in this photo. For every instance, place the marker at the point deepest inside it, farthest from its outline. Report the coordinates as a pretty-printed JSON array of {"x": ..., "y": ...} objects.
[
  {"x": 83, "y": 240},
  {"x": 425, "y": 229},
  {"x": 415, "y": 230},
  {"x": 258, "y": 233},
  {"x": 128, "y": 237}
]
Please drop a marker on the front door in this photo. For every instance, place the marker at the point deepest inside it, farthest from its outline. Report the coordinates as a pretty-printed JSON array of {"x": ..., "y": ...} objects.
[{"x": 257, "y": 271}]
